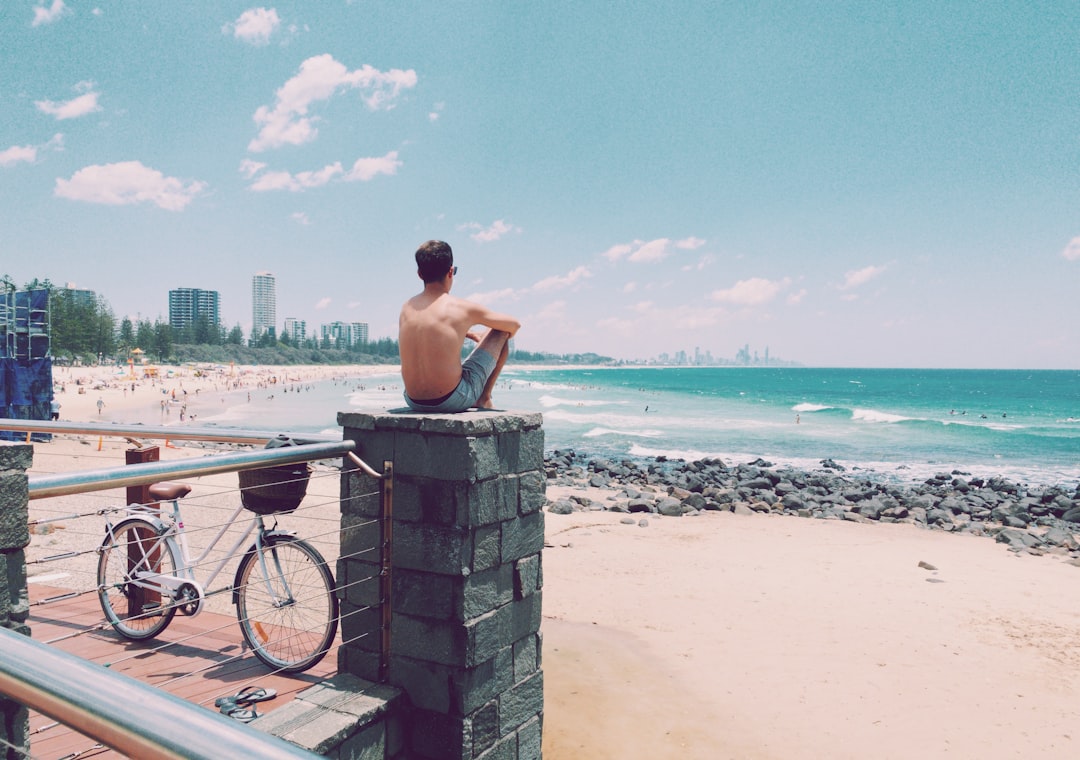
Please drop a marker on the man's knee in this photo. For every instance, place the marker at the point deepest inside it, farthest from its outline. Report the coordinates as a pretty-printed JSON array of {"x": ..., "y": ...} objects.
[{"x": 495, "y": 342}]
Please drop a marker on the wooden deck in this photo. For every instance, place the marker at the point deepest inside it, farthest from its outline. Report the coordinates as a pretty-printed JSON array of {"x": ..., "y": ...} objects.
[{"x": 196, "y": 658}]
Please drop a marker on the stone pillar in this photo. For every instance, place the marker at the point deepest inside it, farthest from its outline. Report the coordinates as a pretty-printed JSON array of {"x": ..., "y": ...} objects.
[
  {"x": 15, "y": 460},
  {"x": 468, "y": 533}
]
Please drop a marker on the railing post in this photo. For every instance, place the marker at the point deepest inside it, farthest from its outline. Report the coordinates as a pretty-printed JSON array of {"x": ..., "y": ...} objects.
[
  {"x": 468, "y": 533},
  {"x": 15, "y": 460}
]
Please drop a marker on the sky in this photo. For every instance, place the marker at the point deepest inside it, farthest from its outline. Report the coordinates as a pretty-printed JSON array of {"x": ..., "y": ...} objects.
[{"x": 887, "y": 184}]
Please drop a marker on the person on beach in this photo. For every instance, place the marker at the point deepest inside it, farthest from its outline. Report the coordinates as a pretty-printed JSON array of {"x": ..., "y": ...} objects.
[
  {"x": 54, "y": 410},
  {"x": 432, "y": 330},
  {"x": 100, "y": 404}
]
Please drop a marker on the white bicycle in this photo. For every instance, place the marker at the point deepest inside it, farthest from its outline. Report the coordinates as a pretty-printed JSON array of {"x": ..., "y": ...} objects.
[{"x": 283, "y": 590}]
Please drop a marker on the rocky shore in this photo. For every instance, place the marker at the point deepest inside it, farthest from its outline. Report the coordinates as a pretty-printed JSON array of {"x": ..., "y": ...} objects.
[{"x": 1033, "y": 520}]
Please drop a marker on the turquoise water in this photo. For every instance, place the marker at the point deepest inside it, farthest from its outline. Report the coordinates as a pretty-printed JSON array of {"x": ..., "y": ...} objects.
[{"x": 903, "y": 425}]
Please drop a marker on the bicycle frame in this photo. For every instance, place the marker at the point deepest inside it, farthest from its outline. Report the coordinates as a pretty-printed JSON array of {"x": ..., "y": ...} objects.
[{"x": 177, "y": 535}]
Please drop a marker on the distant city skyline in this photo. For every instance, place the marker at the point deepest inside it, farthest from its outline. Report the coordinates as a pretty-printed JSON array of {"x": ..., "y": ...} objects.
[{"x": 873, "y": 185}]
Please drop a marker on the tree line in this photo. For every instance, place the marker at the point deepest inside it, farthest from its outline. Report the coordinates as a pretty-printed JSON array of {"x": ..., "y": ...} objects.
[{"x": 85, "y": 330}]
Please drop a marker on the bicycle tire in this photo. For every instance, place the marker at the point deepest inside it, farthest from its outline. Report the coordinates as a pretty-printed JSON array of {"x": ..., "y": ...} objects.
[
  {"x": 294, "y": 636},
  {"x": 131, "y": 609}
]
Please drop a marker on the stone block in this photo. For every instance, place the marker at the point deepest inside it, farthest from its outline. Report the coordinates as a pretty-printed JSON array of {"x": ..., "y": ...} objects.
[
  {"x": 471, "y": 687},
  {"x": 483, "y": 592},
  {"x": 359, "y": 662},
  {"x": 486, "y": 634},
  {"x": 525, "y": 616},
  {"x": 362, "y": 628},
  {"x": 367, "y": 744},
  {"x": 526, "y": 576},
  {"x": 435, "y": 736},
  {"x": 16, "y": 456},
  {"x": 425, "y": 594},
  {"x": 532, "y": 487},
  {"x": 487, "y": 548},
  {"x": 437, "y": 641},
  {"x": 14, "y": 509},
  {"x": 504, "y": 749},
  {"x": 361, "y": 537},
  {"x": 427, "y": 684},
  {"x": 359, "y": 583},
  {"x": 439, "y": 502},
  {"x": 526, "y": 657},
  {"x": 529, "y": 739},
  {"x": 484, "y": 503},
  {"x": 483, "y": 726},
  {"x": 445, "y": 549},
  {"x": 523, "y": 536},
  {"x": 522, "y": 703}
]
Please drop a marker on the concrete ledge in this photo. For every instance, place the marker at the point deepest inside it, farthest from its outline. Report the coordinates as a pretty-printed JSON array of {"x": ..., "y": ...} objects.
[{"x": 344, "y": 716}]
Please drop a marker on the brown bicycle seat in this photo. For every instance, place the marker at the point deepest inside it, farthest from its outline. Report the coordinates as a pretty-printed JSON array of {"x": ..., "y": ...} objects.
[{"x": 168, "y": 491}]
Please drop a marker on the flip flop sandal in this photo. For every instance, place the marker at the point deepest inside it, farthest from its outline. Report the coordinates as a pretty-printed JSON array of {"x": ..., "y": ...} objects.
[
  {"x": 246, "y": 696},
  {"x": 242, "y": 714}
]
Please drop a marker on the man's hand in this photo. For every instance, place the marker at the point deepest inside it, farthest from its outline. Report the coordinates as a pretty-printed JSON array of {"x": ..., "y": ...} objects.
[{"x": 472, "y": 336}]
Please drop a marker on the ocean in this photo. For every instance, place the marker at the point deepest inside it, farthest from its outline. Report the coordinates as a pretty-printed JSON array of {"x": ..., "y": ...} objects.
[{"x": 897, "y": 425}]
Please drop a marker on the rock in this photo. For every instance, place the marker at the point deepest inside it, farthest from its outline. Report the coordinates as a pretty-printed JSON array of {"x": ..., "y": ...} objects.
[
  {"x": 670, "y": 507},
  {"x": 628, "y": 521},
  {"x": 1017, "y": 539},
  {"x": 561, "y": 507},
  {"x": 926, "y": 565}
]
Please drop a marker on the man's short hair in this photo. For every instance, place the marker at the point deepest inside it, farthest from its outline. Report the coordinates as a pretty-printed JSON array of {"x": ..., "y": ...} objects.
[{"x": 433, "y": 260}]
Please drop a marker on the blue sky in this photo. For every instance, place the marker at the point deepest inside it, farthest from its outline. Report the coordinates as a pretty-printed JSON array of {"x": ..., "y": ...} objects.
[{"x": 846, "y": 183}]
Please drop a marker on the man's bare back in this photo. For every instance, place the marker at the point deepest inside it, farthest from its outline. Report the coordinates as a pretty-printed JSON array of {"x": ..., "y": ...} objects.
[{"x": 433, "y": 327}]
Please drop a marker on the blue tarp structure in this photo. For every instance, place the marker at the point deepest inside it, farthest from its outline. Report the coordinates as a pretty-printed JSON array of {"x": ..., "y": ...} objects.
[{"x": 26, "y": 387}]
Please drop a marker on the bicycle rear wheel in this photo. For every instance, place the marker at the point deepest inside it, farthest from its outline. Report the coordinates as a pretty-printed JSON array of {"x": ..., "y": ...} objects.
[
  {"x": 286, "y": 604},
  {"x": 131, "y": 562}
]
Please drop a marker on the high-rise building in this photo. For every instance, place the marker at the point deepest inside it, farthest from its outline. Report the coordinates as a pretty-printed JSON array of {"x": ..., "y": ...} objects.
[
  {"x": 189, "y": 305},
  {"x": 263, "y": 304},
  {"x": 296, "y": 329},
  {"x": 345, "y": 334}
]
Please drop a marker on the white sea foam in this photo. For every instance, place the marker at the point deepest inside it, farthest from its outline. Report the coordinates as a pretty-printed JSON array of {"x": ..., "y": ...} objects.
[
  {"x": 600, "y": 431},
  {"x": 806, "y": 407},
  {"x": 551, "y": 401},
  {"x": 872, "y": 415}
]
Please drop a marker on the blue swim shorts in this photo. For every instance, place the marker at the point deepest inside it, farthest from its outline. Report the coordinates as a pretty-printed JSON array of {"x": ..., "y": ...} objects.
[{"x": 475, "y": 372}]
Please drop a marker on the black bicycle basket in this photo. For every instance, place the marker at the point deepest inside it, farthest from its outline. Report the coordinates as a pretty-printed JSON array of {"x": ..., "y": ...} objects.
[{"x": 273, "y": 490}]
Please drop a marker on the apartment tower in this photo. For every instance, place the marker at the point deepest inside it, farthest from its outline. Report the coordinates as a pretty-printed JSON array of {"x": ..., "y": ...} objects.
[{"x": 263, "y": 304}]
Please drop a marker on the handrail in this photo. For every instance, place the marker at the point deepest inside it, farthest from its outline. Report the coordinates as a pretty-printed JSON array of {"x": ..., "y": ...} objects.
[
  {"x": 44, "y": 486},
  {"x": 122, "y": 713},
  {"x": 186, "y": 433}
]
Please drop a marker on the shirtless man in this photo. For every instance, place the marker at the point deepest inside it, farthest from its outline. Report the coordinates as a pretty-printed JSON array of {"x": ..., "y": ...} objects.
[{"x": 431, "y": 331}]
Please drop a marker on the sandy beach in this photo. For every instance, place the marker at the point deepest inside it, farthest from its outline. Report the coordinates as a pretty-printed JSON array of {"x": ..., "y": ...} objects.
[{"x": 725, "y": 635}]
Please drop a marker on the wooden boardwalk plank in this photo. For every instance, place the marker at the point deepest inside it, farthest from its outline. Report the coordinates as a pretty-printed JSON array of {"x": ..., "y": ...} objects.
[{"x": 196, "y": 658}]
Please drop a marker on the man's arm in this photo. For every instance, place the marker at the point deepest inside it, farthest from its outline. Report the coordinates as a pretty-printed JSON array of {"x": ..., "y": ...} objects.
[{"x": 482, "y": 315}]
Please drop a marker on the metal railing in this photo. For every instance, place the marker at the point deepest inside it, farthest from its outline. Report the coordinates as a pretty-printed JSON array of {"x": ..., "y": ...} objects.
[
  {"x": 41, "y": 677},
  {"x": 123, "y": 713}
]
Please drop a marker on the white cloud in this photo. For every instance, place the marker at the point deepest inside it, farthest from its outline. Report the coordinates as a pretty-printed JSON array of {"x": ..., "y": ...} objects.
[
  {"x": 1072, "y": 250},
  {"x": 554, "y": 282},
  {"x": 752, "y": 292},
  {"x": 250, "y": 168},
  {"x": 690, "y": 243},
  {"x": 796, "y": 298},
  {"x": 368, "y": 168},
  {"x": 255, "y": 26},
  {"x": 296, "y": 183},
  {"x": 70, "y": 109},
  {"x": 43, "y": 15},
  {"x": 654, "y": 250},
  {"x": 18, "y": 153},
  {"x": 29, "y": 153},
  {"x": 319, "y": 79},
  {"x": 616, "y": 252},
  {"x": 629, "y": 287},
  {"x": 436, "y": 112},
  {"x": 498, "y": 229},
  {"x": 323, "y": 303},
  {"x": 127, "y": 183},
  {"x": 300, "y": 217},
  {"x": 857, "y": 277}
]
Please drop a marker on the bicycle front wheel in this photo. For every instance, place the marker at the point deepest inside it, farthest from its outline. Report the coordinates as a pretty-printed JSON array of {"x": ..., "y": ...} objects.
[
  {"x": 286, "y": 604},
  {"x": 132, "y": 561}
]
